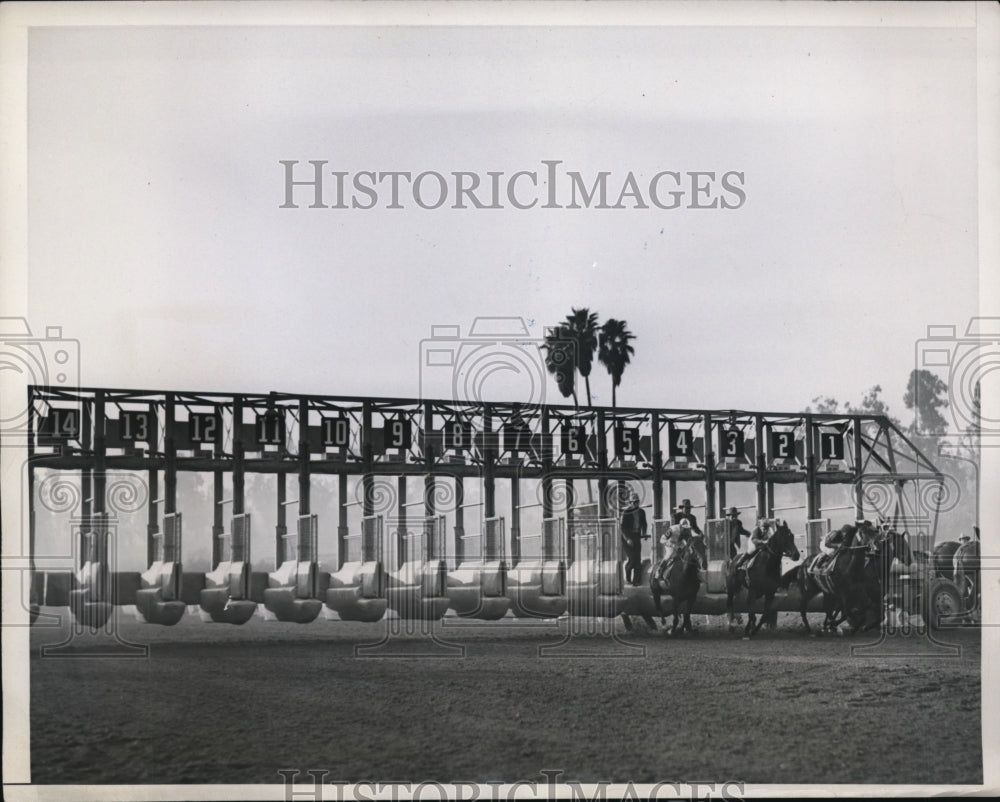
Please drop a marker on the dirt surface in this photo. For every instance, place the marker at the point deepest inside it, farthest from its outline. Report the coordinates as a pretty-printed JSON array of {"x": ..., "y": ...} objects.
[{"x": 501, "y": 701}]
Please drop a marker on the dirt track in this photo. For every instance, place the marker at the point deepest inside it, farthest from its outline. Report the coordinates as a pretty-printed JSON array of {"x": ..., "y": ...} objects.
[{"x": 214, "y": 703}]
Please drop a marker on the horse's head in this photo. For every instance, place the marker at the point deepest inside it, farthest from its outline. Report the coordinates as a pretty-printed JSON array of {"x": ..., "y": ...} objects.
[
  {"x": 783, "y": 541},
  {"x": 893, "y": 545}
]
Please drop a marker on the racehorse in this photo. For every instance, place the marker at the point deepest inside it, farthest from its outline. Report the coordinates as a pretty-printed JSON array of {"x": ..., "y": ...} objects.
[
  {"x": 760, "y": 575},
  {"x": 677, "y": 576},
  {"x": 889, "y": 547},
  {"x": 840, "y": 577}
]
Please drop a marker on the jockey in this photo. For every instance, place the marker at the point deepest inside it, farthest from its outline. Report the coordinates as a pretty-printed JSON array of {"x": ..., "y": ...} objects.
[
  {"x": 683, "y": 513},
  {"x": 633, "y": 532},
  {"x": 761, "y": 534},
  {"x": 837, "y": 538},
  {"x": 735, "y": 530}
]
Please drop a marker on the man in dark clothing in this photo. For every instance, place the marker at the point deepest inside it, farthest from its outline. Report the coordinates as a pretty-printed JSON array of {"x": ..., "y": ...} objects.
[
  {"x": 633, "y": 529},
  {"x": 683, "y": 513},
  {"x": 735, "y": 531}
]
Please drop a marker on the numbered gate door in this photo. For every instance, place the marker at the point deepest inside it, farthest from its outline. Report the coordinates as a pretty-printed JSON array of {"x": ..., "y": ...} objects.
[
  {"x": 477, "y": 587},
  {"x": 158, "y": 599},
  {"x": 90, "y": 594},
  {"x": 357, "y": 590},
  {"x": 292, "y": 592},
  {"x": 226, "y": 596},
  {"x": 537, "y": 584},
  {"x": 717, "y": 545},
  {"x": 594, "y": 578},
  {"x": 418, "y": 582}
]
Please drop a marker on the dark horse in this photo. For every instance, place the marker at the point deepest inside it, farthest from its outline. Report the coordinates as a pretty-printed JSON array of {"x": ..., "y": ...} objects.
[
  {"x": 677, "y": 576},
  {"x": 889, "y": 547},
  {"x": 840, "y": 577},
  {"x": 760, "y": 575}
]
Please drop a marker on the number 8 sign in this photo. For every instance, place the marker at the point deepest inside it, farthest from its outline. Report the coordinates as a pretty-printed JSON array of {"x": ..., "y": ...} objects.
[{"x": 458, "y": 435}]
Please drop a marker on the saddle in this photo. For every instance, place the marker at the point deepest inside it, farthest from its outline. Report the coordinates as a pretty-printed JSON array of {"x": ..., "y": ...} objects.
[
  {"x": 743, "y": 567},
  {"x": 820, "y": 568}
]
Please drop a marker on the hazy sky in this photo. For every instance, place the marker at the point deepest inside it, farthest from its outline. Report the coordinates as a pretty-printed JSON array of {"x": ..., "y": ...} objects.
[{"x": 156, "y": 238}]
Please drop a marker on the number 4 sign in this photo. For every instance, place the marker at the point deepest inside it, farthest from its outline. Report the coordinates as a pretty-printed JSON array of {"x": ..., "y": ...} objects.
[{"x": 681, "y": 442}]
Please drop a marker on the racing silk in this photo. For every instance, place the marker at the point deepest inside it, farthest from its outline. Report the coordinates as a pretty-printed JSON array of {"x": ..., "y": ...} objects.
[
  {"x": 758, "y": 538},
  {"x": 687, "y": 516}
]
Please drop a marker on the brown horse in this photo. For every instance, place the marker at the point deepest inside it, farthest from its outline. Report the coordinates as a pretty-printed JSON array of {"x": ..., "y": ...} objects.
[
  {"x": 839, "y": 576},
  {"x": 760, "y": 575},
  {"x": 677, "y": 576}
]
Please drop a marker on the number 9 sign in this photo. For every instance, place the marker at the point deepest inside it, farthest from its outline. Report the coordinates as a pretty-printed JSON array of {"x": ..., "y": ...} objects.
[{"x": 397, "y": 433}]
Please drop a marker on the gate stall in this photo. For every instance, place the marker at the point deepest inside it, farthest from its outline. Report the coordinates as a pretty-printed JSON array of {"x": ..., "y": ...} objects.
[
  {"x": 477, "y": 587},
  {"x": 594, "y": 578},
  {"x": 418, "y": 573},
  {"x": 90, "y": 590},
  {"x": 717, "y": 544},
  {"x": 537, "y": 585},
  {"x": 226, "y": 596},
  {"x": 578, "y": 567},
  {"x": 293, "y": 590},
  {"x": 158, "y": 599},
  {"x": 357, "y": 590}
]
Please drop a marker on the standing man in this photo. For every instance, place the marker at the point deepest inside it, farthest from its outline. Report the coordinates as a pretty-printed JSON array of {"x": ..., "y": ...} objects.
[
  {"x": 684, "y": 513},
  {"x": 633, "y": 529},
  {"x": 735, "y": 530}
]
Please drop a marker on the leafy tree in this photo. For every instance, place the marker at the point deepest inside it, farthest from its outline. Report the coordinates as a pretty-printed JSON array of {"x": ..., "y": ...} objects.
[
  {"x": 825, "y": 406},
  {"x": 560, "y": 359},
  {"x": 582, "y": 325},
  {"x": 615, "y": 352},
  {"x": 924, "y": 393},
  {"x": 872, "y": 404}
]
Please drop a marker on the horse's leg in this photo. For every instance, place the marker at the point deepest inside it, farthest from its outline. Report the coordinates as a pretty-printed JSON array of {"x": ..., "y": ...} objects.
[
  {"x": 765, "y": 614},
  {"x": 649, "y": 621},
  {"x": 751, "y": 615},
  {"x": 627, "y": 620},
  {"x": 674, "y": 625}
]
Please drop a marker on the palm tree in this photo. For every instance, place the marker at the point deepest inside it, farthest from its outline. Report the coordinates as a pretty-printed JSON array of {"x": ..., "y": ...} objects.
[
  {"x": 560, "y": 359},
  {"x": 582, "y": 324},
  {"x": 615, "y": 352}
]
